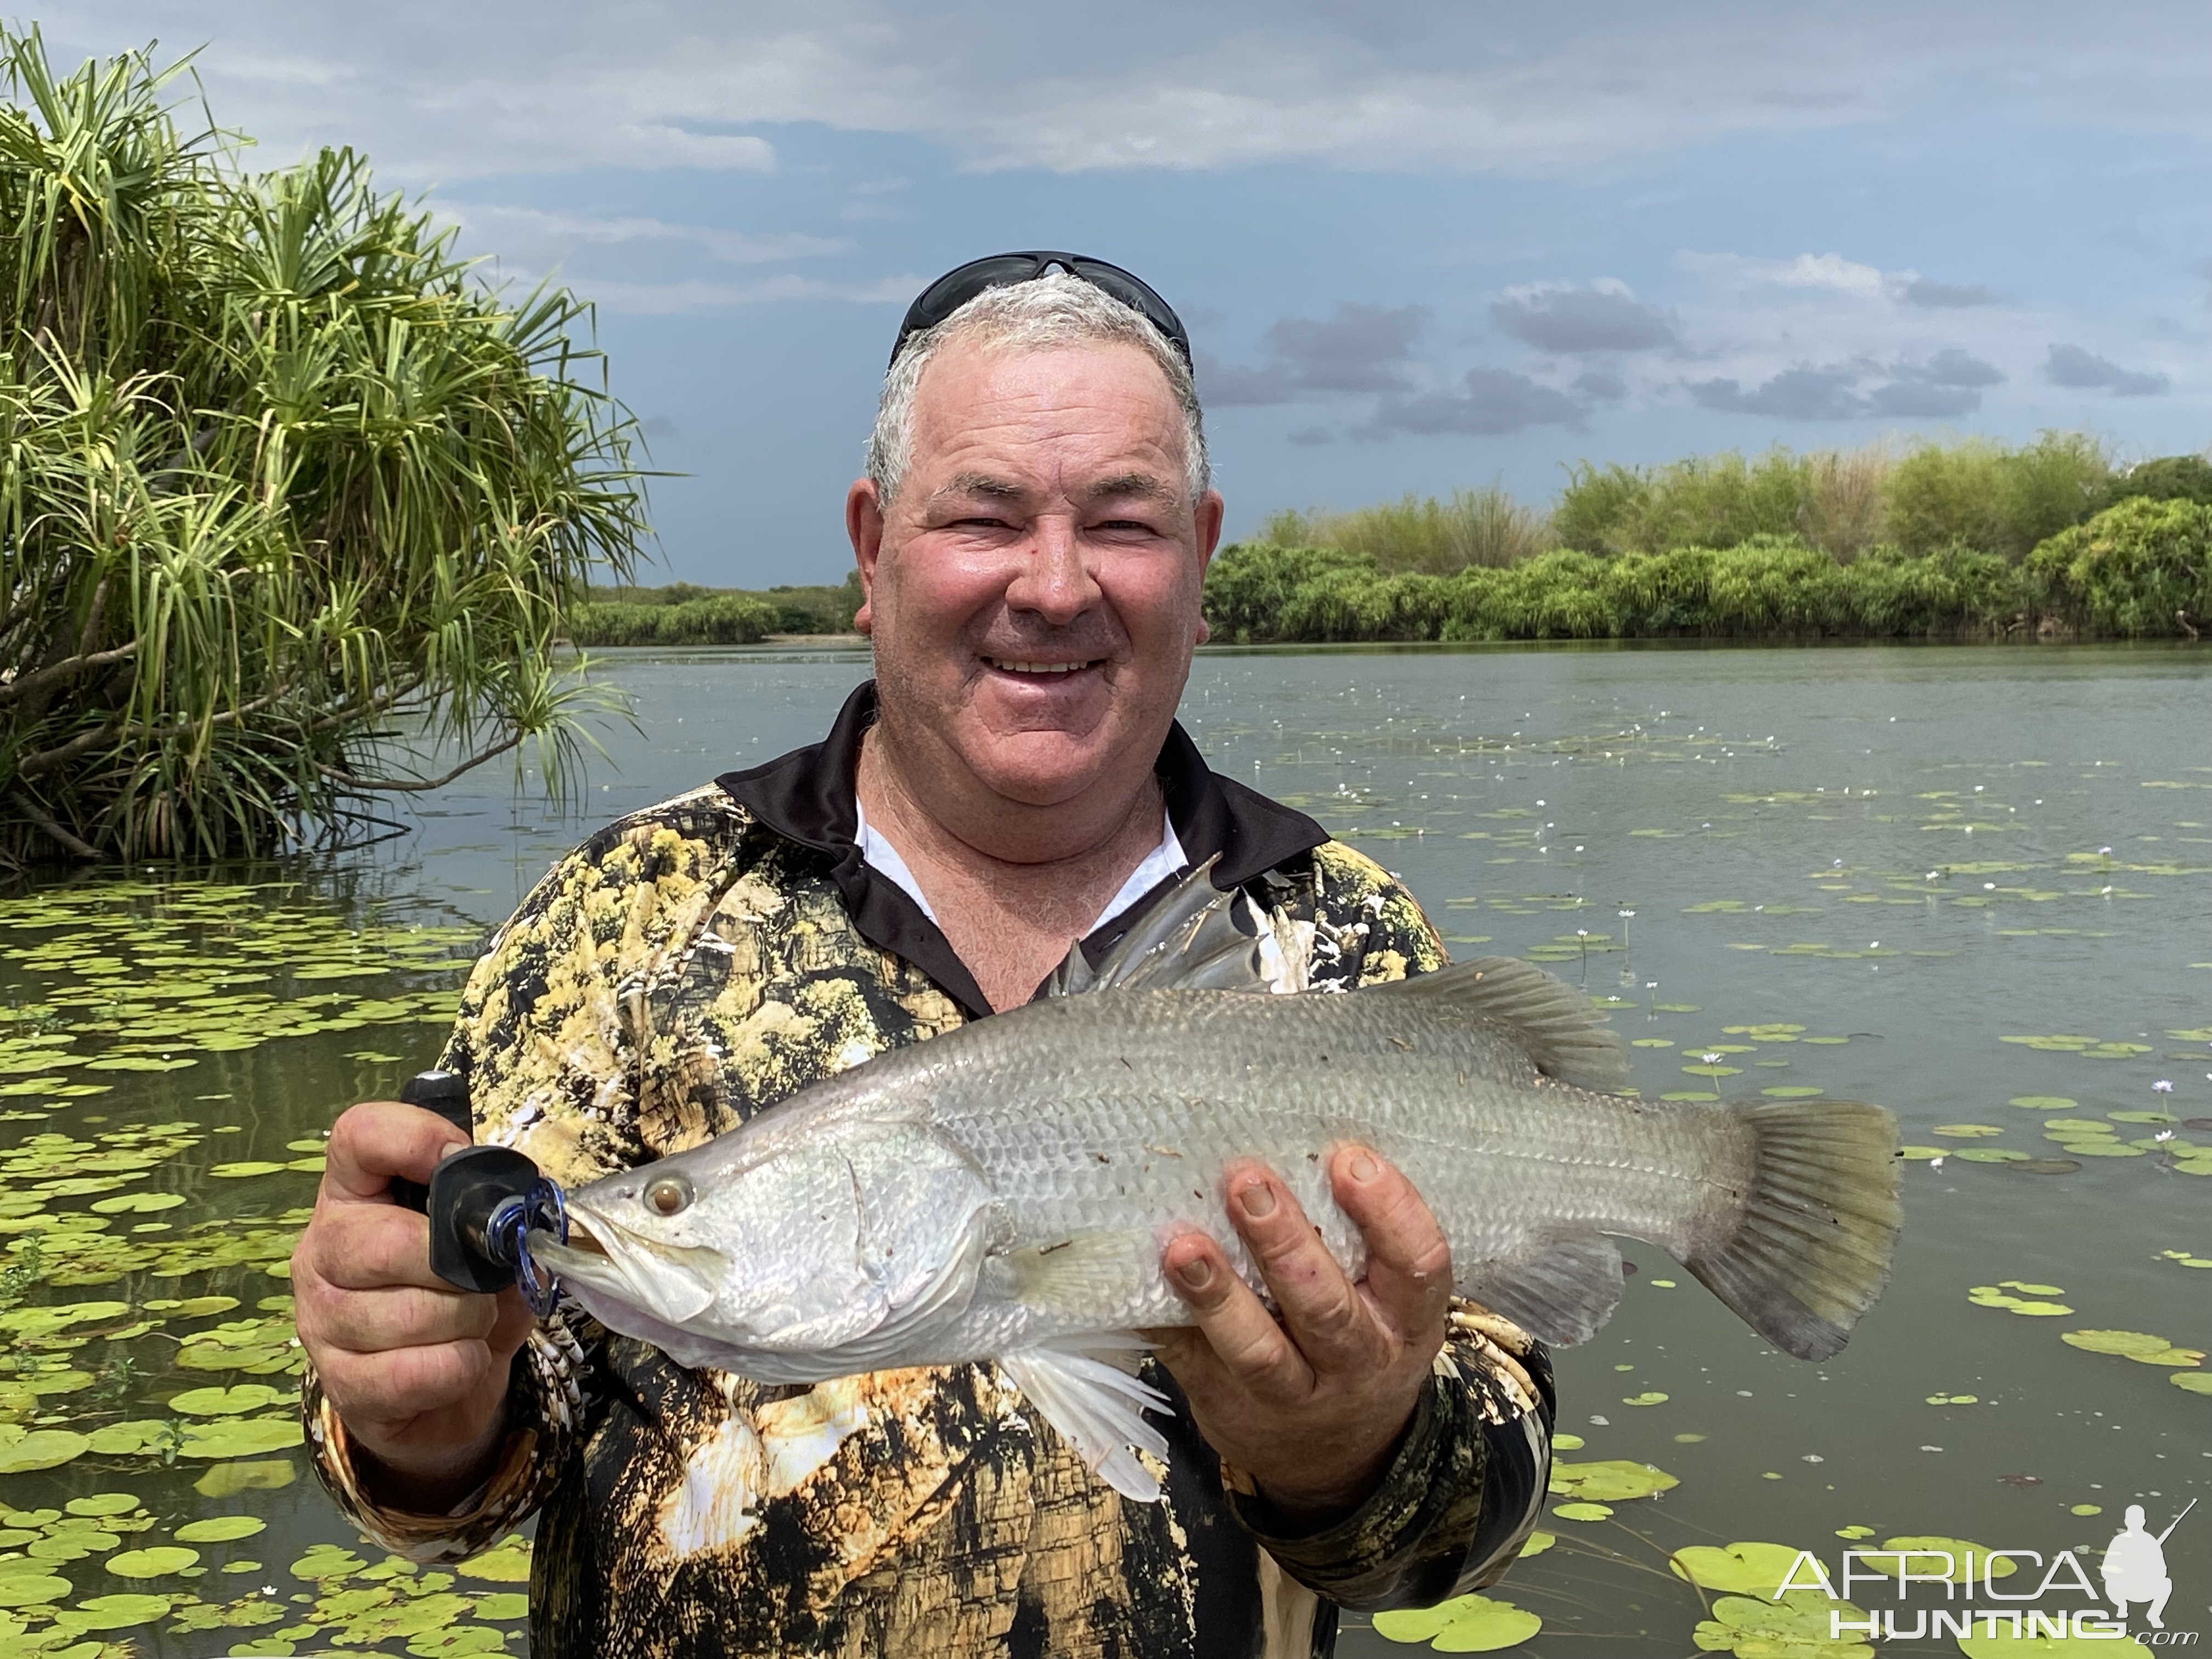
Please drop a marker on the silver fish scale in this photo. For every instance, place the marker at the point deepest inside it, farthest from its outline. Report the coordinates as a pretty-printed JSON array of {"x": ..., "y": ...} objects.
[{"x": 1106, "y": 1128}]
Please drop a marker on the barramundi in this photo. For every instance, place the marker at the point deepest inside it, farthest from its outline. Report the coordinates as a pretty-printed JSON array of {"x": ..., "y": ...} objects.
[{"x": 1003, "y": 1192}]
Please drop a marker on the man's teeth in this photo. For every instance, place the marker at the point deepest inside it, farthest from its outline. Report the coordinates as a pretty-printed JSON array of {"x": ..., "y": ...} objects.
[{"x": 1006, "y": 667}]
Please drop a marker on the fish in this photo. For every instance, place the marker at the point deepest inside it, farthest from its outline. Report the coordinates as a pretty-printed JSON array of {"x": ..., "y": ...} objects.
[{"x": 1003, "y": 1192}]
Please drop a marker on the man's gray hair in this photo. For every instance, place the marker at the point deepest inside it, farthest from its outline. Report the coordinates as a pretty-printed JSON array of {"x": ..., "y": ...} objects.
[{"x": 1054, "y": 310}]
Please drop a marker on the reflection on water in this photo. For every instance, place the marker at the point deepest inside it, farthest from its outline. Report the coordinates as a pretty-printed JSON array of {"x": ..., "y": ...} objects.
[{"x": 1972, "y": 885}]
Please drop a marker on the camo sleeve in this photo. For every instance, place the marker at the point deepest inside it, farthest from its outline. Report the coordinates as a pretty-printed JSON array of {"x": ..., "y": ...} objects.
[
  {"x": 1465, "y": 1486},
  {"x": 546, "y": 1036}
]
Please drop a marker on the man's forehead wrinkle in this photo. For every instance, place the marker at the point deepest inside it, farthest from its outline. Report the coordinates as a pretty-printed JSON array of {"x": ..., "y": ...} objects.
[
  {"x": 1146, "y": 485},
  {"x": 985, "y": 484}
]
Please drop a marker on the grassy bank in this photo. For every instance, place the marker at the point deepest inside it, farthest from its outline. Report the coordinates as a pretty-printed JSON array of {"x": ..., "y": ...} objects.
[
  {"x": 683, "y": 614},
  {"x": 2141, "y": 568}
]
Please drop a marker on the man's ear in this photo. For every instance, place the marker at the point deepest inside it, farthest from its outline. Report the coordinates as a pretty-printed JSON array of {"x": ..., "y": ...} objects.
[
  {"x": 1208, "y": 518},
  {"x": 864, "y": 528}
]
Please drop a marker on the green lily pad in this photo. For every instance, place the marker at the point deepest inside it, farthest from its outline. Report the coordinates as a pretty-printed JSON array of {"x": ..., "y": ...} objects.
[
  {"x": 241, "y": 1437},
  {"x": 159, "y": 1562},
  {"x": 2134, "y": 1344},
  {"x": 2044, "y": 1103},
  {"x": 1795, "y": 1627},
  {"x": 1466, "y": 1624},
  {"x": 2194, "y": 1382},
  {"x": 2004, "y": 1644},
  {"x": 228, "y": 1479},
  {"x": 136, "y": 1437},
  {"x": 31, "y": 1587},
  {"x": 1610, "y": 1481},
  {"x": 234, "y": 1402},
  {"x": 220, "y": 1529},
  {"x": 514, "y": 1604},
  {"x": 1537, "y": 1544},
  {"x": 1580, "y": 1511},
  {"x": 1991, "y": 1155},
  {"x": 103, "y": 1504},
  {"x": 1742, "y": 1569},
  {"x": 244, "y": 1169},
  {"x": 23, "y": 1450},
  {"x": 507, "y": 1564},
  {"x": 136, "y": 1203},
  {"x": 1649, "y": 1397},
  {"x": 328, "y": 1561},
  {"x": 1967, "y": 1131},
  {"x": 1922, "y": 1553},
  {"x": 119, "y": 1612}
]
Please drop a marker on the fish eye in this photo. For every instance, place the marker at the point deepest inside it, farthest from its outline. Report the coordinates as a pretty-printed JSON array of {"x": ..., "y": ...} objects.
[{"x": 670, "y": 1195}]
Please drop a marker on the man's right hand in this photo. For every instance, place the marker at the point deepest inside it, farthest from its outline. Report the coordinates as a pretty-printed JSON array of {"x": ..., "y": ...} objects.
[{"x": 416, "y": 1368}]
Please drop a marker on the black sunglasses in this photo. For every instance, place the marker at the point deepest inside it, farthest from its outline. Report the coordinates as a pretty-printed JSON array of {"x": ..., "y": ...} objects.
[{"x": 956, "y": 288}]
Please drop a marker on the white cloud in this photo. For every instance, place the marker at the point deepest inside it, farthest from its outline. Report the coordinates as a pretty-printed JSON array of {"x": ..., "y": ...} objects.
[
  {"x": 534, "y": 233},
  {"x": 446, "y": 91},
  {"x": 700, "y": 296}
]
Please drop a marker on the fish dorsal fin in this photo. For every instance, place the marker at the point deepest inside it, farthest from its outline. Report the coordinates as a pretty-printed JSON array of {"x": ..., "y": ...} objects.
[
  {"x": 1559, "y": 1293},
  {"x": 1565, "y": 1035},
  {"x": 1192, "y": 939}
]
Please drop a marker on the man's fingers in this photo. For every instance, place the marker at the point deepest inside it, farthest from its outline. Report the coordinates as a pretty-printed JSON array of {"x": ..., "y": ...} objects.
[
  {"x": 1408, "y": 1258},
  {"x": 1321, "y": 1308},
  {"x": 368, "y": 1247},
  {"x": 402, "y": 1384},
  {"x": 378, "y": 1139},
  {"x": 1243, "y": 1335},
  {"x": 401, "y": 1316}
]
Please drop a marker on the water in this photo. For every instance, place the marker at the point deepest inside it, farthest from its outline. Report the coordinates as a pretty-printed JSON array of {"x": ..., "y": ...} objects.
[{"x": 1886, "y": 861}]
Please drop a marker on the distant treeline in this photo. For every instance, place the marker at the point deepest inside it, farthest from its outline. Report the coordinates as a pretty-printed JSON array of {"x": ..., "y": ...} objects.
[
  {"x": 1972, "y": 540},
  {"x": 683, "y": 614}
]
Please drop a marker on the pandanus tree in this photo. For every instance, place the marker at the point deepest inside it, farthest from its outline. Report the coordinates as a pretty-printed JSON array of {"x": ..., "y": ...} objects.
[{"x": 292, "y": 501}]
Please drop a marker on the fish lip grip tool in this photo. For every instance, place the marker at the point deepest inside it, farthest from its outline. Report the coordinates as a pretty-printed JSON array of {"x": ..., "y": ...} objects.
[{"x": 482, "y": 1202}]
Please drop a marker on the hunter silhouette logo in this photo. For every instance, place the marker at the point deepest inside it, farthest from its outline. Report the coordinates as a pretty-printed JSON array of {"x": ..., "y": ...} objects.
[{"x": 2134, "y": 1568}]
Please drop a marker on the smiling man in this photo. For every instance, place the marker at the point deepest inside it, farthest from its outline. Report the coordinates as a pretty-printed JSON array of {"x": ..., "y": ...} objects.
[{"x": 1032, "y": 538}]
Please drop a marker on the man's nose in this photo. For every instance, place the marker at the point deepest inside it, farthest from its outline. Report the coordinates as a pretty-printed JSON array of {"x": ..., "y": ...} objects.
[{"x": 1055, "y": 581}]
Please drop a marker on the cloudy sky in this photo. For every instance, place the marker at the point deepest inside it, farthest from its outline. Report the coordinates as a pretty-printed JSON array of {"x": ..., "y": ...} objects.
[{"x": 1420, "y": 246}]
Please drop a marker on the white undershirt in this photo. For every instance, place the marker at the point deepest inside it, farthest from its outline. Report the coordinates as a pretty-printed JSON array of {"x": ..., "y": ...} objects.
[{"x": 1165, "y": 860}]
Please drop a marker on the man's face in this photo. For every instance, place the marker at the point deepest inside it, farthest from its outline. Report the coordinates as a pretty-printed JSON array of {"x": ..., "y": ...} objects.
[{"x": 1033, "y": 592}]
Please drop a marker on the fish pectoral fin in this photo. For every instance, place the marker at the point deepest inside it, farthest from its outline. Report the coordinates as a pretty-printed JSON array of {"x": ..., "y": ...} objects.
[
  {"x": 1075, "y": 1276},
  {"x": 1564, "y": 1034},
  {"x": 1559, "y": 1293},
  {"x": 1098, "y": 1408}
]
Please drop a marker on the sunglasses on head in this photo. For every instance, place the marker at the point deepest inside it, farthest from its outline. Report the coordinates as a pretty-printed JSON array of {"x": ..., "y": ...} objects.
[{"x": 956, "y": 288}]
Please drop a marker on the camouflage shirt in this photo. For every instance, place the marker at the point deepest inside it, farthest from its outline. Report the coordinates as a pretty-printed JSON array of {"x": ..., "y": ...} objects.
[{"x": 694, "y": 963}]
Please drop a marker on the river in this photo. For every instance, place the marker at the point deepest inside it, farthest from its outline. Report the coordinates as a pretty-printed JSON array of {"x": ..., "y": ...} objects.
[{"x": 1974, "y": 884}]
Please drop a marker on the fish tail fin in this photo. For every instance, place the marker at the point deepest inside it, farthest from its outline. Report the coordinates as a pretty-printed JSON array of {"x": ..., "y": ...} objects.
[
  {"x": 1098, "y": 1408},
  {"x": 1810, "y": 1250}
]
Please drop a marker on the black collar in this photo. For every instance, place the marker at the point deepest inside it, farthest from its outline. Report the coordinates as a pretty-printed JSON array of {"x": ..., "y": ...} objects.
[{"x": 806, "y": 796}]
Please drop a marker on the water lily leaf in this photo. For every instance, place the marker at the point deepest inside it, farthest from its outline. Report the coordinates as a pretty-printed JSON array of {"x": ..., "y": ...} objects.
[
  {"x": 1579, "y": 1511},
  {"x": 244, "y": 1168},
  {"x": 220, "y": 1529},
  {"x": 507, "y": 1564},
  {"x": 158, "y": 1562},
  {"x": 327, "y": 1561},
  {"x": 137, "y": 1203},
  {"x": 1967, "y": 1131},
  {"x": 451, "y": 1641},
  {"x": 191, "y": 1306},
  {"x": 2131, "y": 1345},
  {"x": 2026, "y": 1288},
  {"x": 1922, "y": 1555},
  {"x": 117, "y": 1611},
  {"x": 234, "y": 1402},
  {"x": 514, "y": 1604},
  {"x": 1855, "y": 1532},
  {"x": 1649, "y": 1397},
  {"x": 1610, "y": 1481},
  {"x": 1537, "y": 1544},
  {"x": 2194, "y": 1381},
  {"x": 1466, "y": 1624},
  {"x": 228, "y": 1479},
  {"x": 1991, "y": 1155},
  {"x": 136, "y": 1437},
  {"x": 1567, "y": 1442},
  {"x": 240, "y": 1436},
  {"x": 22, "y": 1449},
  {"x": 2044, "y": 1103},
  {"x": 31, "y": 1589},
  {"x": 2004, "y": 1644},
  {"x": 1743, "y": 1569},
  {"x": 103, "y": 1504}
]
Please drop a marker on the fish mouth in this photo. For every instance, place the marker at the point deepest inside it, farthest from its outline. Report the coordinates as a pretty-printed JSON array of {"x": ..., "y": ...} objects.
[{"x": 673, "y": 1283}]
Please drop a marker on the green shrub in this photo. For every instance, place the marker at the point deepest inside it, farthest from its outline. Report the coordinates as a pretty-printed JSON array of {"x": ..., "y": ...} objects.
[
  {"x": 1981, "y": 495},
  {"x": 1420, "y": 533},
  {"x": 2168, "y": 478},
  {"x": 2138, "y": 569},
  {"x": 1716, "y": 500},
  {"x": 718, "y": 619}
]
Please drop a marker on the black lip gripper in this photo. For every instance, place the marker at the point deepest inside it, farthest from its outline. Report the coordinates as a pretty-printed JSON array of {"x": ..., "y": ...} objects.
[{"x": 481, "y": 1203}]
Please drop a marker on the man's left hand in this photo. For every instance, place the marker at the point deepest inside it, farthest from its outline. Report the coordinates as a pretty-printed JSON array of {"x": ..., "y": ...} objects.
[{"x": 1310, "y": 1406}]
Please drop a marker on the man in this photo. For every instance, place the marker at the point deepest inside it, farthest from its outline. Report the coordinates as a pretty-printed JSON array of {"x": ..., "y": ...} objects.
[{"x": 1031, "y": 537}]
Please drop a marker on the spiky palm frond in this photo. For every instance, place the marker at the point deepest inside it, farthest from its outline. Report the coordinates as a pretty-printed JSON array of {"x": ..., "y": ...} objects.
[{"x": 287, "y": 495}]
